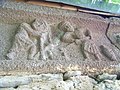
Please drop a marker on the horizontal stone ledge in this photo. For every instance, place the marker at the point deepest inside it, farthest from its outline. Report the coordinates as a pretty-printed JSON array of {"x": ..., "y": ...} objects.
[{"x": 11, "y": 67}]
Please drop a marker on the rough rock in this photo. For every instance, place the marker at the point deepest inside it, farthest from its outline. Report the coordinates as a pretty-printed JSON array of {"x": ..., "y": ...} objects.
[
  {"x": 69, "y": 74},
  {"x": 108, "y": 85},
  {"x": 49, "y": 82},
  {"x": 13, "y": 81},
  {"x": 106, "y": 76},
  {"x": 76, "y": 81}
]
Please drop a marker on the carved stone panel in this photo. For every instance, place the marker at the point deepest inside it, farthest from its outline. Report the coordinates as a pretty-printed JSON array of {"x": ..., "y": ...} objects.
[{"x": 40, "y": 39}]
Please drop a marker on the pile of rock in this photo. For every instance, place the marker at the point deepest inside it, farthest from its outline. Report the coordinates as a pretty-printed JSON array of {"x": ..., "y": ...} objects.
[{"x": 71, "y": 80}]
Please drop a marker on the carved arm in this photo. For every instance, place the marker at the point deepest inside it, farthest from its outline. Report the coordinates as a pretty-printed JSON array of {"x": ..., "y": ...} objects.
[{"x": 31, "y": 31}]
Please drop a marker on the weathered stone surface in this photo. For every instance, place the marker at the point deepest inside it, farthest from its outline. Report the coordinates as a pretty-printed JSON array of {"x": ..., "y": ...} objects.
[
  {"x": 12, "y": 81},
  {"x": 113, "y": 34},
  {"x": 49, "y": 82},
  {"x": 76, "y": 81},
  {"x": 79, "y": 41},
  {"x": 69, "y": 74},
  {"x": 47, "y": 40},
  {"x": 108, "y": 85},
  {"x": 15, "y": 67},
  {"x": 106, "y": 76}
]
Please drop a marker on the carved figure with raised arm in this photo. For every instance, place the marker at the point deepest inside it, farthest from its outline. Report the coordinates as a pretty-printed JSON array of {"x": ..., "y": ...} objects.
[{"x": 29, "y": 37}]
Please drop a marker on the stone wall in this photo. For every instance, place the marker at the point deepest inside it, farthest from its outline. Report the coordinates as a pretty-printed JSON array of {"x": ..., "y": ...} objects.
[{"x": 71, "y": 80}]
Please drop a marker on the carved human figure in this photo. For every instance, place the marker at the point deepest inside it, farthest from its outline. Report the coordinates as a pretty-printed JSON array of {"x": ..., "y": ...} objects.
[
  {"x": 84, "y": 39},
  {"x": 40, "y": 29},
  {"x": 87, "y": 46},
  {"x": 69, "y": 48},
  {"x": 21, "y": 42},
  {"x": 29, "y": 36}
]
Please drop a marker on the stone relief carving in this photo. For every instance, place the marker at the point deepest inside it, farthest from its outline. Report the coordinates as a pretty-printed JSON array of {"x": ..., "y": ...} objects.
[
  {"x": 21, "y": 42},
  {"x": 70, "y": 49},
  {"x": 29, "y": 37},
  {"x": 67, "y": 28},
  {"x": 71, "y": 43},
  {"x": 83, "y": 41},
  {"x": 90, "y": 49}
]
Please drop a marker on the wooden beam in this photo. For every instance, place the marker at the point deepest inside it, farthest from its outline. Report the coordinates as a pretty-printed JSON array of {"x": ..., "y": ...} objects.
[
  {"x": 98, "y": 12},
  {"x": 55, "y": 5},
  {"x": 67, "y": 7},
  {"x": 20, "y": 0}
]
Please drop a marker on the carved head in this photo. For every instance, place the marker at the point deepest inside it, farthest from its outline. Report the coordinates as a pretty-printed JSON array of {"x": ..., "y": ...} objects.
[
  {"x": 65, "y": 26},
  {"x": 40, "y": 24},
  {"x": 87, "y": 33}
]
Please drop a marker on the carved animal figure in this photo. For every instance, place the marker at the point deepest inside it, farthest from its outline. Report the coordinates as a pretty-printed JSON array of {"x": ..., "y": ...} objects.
[
  {"x": 88, "y": 48},
  {"x": 108, "y": 53}
]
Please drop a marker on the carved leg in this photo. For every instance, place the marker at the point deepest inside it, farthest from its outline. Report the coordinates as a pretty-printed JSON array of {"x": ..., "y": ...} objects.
[
  {"x": 48, "y": 51},
  {"x": 43, "y": 43},
  {"x": 87, "y": 54},
  {"x": 87, "y": 50},
  {"x": 32, "y": 52},
  {"x": 11, "y": 55},
  {"x": 14, "y": 50}
]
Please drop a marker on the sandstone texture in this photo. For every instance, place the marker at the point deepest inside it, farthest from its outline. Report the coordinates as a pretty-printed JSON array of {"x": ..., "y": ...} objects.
[
  {"x": 65, "y": 40},
  {"x": 44, "y": 48}
]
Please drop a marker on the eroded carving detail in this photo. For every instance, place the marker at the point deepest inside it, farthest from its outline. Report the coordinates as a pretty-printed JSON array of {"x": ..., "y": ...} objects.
[
  {"x": 117, "y": 38},
  {"x": 68, "y": 35},
  {"x": 89, "y": 49},
  {"x": 29, "y": 38},
  {"x": 70, "y": 50},
  {"x": 65, "y": 26},
  {"x": 83, "y": 41},
  {"x": 69, "y": 42},
  {"x": 108, "y": 53},
  {"x": 113, "y": 35},
  {"x": 21, "y": 42}
]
